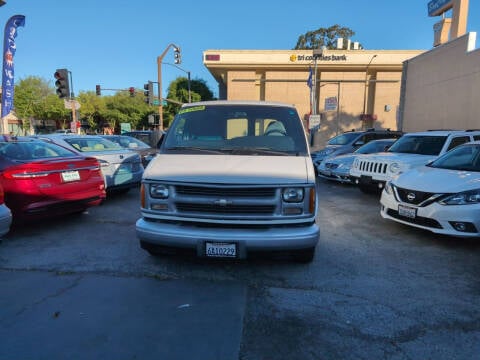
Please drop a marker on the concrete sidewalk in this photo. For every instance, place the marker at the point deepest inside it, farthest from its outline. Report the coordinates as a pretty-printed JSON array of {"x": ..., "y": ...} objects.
[{"x": 45, "y": 315}]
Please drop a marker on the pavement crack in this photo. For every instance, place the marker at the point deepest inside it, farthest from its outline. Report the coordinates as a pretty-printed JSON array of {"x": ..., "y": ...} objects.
[{"x": 59, "y": 292}]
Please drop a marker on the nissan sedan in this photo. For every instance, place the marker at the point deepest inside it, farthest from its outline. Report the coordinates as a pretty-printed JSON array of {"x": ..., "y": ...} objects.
[{"x": 442, "y": 197}]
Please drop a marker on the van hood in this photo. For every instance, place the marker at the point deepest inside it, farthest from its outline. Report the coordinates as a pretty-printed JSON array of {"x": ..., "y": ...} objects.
[{"x": 231, "y": 169}]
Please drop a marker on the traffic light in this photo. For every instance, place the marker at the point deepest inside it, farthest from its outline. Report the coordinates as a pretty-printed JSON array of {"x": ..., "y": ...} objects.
[
  {"x": 177, "y": 56},
  {"x": 131, "y": 90},
  {"x": 148, "y": 92},
  {"x": 62, "y": 84},
  {"x": 98, "y": 90}
]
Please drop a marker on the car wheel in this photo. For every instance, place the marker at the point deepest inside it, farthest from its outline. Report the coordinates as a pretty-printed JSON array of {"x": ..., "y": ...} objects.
[{"x": 304, "y": 256}]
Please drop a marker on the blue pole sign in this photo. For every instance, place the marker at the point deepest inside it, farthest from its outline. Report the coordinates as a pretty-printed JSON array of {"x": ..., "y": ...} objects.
[
  {"x": 9, "y": 48},
  {"x": 437, "y": 7}
]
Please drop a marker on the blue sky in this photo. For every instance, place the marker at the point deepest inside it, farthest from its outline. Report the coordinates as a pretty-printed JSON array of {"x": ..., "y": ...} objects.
[{"x": 116, "y": 43}]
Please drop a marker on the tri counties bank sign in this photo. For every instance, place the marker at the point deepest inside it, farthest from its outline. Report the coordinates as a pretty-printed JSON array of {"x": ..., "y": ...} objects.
[{"x": 295, "y": 58}]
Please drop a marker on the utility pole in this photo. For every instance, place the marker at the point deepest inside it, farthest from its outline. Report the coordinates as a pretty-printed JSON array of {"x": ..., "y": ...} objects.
[
  {"x": 159, "y": 71},
  {"x": 366, "y": 85}
]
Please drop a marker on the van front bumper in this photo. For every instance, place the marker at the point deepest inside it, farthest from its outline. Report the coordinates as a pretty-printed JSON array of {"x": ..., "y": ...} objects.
[{"x": 247, "y": 239}]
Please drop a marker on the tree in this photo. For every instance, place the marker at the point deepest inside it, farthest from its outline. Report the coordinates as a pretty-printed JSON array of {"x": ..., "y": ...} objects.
[
  {"x": 178, "y": 91},
  {"x": 35, "y": 99},
  {"x": 323, "y": 37}
]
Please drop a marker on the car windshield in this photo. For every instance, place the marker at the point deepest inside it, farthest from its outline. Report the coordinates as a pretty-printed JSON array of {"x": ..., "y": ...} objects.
[
  {"x": 128, "y": 142},
  {"x": 32, "y": 150},
  {"x": 88, "y": 143},
  {"x": 236, "y": 129},
  {"x": 419, "y": 144},
  {"x": 463, "y": 157},
  {"x": 374, "y": 146},
  {"x": 342, "y": 139}
]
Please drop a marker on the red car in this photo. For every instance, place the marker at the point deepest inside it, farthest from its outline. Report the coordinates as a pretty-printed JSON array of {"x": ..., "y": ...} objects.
[{"x": 46, "y": 180}]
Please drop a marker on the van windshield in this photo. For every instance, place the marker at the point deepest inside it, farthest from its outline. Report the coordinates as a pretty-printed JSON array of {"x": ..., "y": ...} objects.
[{"x": 236, "y": 129}]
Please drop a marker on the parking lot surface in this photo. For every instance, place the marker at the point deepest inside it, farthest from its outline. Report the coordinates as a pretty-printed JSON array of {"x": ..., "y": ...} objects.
[{"x": 375, "y": 290}]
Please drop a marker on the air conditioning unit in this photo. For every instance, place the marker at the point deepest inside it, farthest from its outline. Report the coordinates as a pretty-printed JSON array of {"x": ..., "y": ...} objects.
[{"x": 339, "y": 43}]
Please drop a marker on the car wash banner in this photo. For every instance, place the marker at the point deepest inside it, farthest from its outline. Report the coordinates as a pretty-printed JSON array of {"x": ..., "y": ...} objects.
[{"x": 9, "y": 48}]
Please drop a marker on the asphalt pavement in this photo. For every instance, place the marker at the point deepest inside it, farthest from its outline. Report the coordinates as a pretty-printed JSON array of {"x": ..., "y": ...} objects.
[{"x": 89, "y": 316}]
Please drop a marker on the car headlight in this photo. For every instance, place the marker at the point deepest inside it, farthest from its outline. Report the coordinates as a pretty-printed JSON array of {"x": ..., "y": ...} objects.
[
  {"x": 389, "y": 188},
  {"x": 293, "y": 194},
  {"x": 463, "y": 198},
  {"x": 159, "y": 191},
  {"x": 344, "y": 166},
  {"x": 395, "y": 168}
]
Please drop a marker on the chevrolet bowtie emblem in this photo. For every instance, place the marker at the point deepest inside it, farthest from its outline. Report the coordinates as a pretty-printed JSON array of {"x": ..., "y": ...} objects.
[{"x": 222, "y": 202}]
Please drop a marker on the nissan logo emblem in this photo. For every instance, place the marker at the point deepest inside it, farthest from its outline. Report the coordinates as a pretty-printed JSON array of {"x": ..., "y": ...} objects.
[{"x": 411, "y": 196}]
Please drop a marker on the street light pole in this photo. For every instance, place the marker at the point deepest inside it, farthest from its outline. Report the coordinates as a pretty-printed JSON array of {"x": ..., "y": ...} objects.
[
  {"x": 366, "y": 83},
  {"x": 188, "y": 74},
  {"x": 159, "y": 70}
]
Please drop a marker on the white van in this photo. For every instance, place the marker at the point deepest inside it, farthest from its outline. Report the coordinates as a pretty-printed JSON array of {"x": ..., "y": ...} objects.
[{"x": 231, "y": 178}]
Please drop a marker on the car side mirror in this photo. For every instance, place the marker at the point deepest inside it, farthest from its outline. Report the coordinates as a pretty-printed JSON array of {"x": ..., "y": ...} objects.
[{"x": 160, "y": 141}]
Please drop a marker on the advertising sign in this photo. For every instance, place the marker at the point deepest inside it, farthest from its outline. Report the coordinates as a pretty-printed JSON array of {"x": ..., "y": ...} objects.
[
  {"x": 437, "y": 7},
  {"x": 9, "y": 48},
  {"x": 331, "y": 103}
]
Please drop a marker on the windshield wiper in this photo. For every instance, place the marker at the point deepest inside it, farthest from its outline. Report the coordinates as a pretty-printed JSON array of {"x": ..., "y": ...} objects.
[
  {"x": 254, "y": 151},
  {"x": 194, "y": 148}
]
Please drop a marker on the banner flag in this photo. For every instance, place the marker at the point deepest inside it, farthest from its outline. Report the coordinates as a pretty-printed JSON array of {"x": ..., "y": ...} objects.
[
  {"x": 309, "y": 80},
  {"x": 9, "y": 48}
]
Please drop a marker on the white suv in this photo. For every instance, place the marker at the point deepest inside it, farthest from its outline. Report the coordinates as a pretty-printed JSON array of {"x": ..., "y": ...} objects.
[{"x": 371, "y": 171}]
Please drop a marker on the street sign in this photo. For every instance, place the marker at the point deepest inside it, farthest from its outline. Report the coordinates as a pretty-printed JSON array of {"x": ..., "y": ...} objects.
[
  {"x": 68, "y": 104},
  {"x": 313, "y": 121}
]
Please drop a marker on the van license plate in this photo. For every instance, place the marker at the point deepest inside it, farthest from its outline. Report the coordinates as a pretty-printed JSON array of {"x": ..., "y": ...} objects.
[
  {"x": 221, "y": 250},
  {"x": 407, "y": 211}
]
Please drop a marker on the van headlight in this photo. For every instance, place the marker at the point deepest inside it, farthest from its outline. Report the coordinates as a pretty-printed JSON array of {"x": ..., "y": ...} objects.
[
  {"x": 463, "y": 198},
  {"x": 159, "y": 191},
  {"x": 293, "y": 194}
]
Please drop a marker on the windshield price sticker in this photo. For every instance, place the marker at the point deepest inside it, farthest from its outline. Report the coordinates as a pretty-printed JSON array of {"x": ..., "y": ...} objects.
[
  {"x": 220, "y": 249},
  {"x": 68, "y": 176},
  {"x": 407, "y": 211}
]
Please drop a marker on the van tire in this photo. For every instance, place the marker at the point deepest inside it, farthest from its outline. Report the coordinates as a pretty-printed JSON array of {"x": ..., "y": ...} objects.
[{"x": 304, "y": 256}]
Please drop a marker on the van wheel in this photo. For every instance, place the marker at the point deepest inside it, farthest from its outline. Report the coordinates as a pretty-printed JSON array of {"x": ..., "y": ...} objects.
[
  {"x": 304, "y": 256},
  {"x": 151, "y": 249}
]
